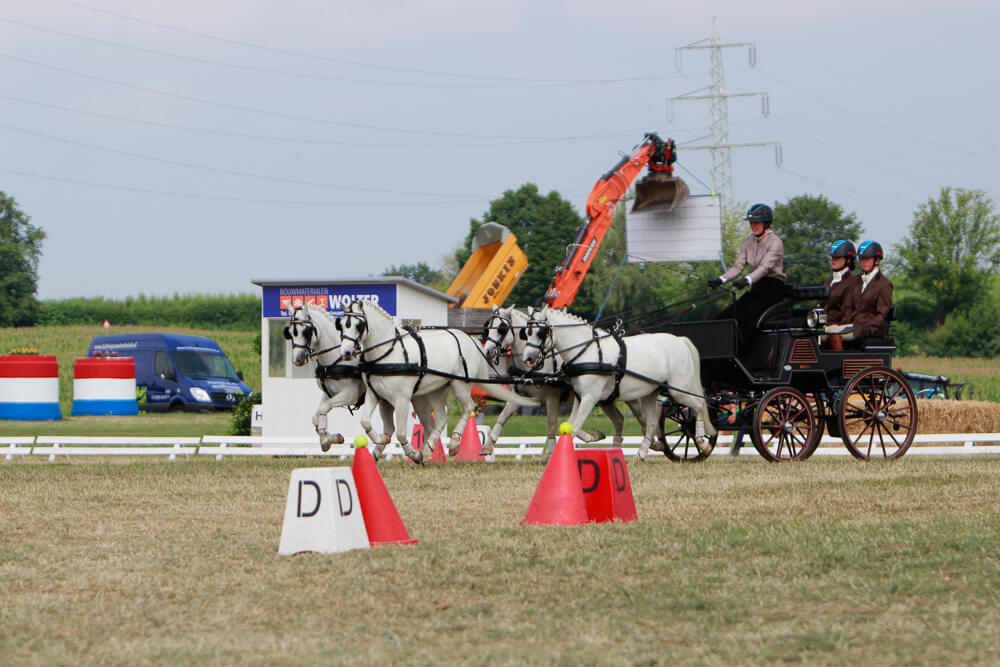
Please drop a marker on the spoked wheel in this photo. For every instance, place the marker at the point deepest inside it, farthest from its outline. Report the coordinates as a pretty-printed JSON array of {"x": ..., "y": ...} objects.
[
  {"x": 679, "y": 444},
  {"x": 878, "y": 414},
  {"x": 784, "y": 427}
]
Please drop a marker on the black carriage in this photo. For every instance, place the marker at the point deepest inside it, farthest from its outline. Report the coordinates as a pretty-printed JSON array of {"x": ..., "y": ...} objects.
[{"x": 785, "y": 388}]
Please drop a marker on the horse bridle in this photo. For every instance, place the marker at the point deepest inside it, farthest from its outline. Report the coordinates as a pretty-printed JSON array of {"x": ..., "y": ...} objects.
[
  {"x": 544, "y": 334},
  {"x": 308, "y": 332},
  {"x": 506, "y": 326}
]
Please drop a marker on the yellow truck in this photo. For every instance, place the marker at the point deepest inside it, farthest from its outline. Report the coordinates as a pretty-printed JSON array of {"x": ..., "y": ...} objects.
[{"x": 495, "y": 266}]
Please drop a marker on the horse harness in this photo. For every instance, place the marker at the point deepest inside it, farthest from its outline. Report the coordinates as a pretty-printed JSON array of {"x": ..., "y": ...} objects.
[
  {"x": 378, "y": 367},
  {"x": 334, "y": 371},
  {"x": 517, "y": 374},
  {"x": 572, "y": 368}
]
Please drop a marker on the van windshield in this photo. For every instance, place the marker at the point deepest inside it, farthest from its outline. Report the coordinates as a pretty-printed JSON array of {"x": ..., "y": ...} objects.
[{"x": 204, "y": 365}]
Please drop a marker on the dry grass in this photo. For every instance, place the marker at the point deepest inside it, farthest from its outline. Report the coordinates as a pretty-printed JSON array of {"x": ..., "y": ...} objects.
[
  {"x": 731, "y": 562},
  {"x": 940, "y": 416}
]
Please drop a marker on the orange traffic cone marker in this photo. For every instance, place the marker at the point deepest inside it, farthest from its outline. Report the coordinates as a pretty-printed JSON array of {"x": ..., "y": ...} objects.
[
  {"x": 439, "y": 455},
  {"x": 558, "y": 498},
  {"x": 470, "y": 446},
  {"x": 382, "y": 520}
]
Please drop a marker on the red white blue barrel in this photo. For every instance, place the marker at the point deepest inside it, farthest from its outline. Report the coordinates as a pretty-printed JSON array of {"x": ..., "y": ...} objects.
[
  {"x": 104, "y": 386},
  {"x": 29, "y": 387}
]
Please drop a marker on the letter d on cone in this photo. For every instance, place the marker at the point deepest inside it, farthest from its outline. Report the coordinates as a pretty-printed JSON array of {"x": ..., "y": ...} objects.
[
  {"x": 382, "y": 520},
  {"x": 558, "y": 498}
]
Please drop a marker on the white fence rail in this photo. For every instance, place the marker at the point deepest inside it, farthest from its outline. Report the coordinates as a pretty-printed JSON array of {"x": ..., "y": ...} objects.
[{"x": 517, "y": 448}]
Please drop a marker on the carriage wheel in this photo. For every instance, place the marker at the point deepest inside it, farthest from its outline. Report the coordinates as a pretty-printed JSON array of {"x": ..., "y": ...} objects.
[
  {"x": 878, "y": 414},
  {"x": 679, "y": 444},
  {"x": 784, "y": 428}
]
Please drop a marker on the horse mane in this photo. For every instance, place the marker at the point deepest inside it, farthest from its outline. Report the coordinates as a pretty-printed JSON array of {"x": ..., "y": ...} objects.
[
  {"x": 314, "y": 309},
  {"x": 365, "y": 305},
  {"x": 574, "y": 318}
]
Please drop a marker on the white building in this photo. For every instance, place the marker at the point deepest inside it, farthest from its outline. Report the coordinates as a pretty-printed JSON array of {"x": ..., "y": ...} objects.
[{"x": 291, "y": 394}]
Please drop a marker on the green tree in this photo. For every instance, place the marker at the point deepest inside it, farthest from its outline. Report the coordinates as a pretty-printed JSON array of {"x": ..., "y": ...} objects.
[
  {"x": 422, "y": 273},
  {"x": 20, "y": 250},
  {"x": 544, "y": 227},
  {"x": 808, "y": 225},
  {"x": 951, "y": 252}
]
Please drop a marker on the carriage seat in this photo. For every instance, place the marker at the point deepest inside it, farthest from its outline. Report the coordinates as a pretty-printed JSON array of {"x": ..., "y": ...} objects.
[
  {"x": 784, "y": 314},
  {"x": 875, "y": 342}
]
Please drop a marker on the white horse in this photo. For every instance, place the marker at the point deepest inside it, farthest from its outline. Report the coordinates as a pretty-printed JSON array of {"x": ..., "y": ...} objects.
[
  {"x": 403, "y": 365},
  {"x": 592, "y": 359},
  {"x": 314, "y": 337},
  {"x": 504, "y": 330}
]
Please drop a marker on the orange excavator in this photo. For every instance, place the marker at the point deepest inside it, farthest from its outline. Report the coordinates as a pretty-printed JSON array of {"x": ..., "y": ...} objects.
[{"x": 659, "y": 189}]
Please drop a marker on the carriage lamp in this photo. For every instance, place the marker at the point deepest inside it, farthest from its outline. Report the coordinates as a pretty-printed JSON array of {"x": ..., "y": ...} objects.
[
  {"x": 199, "y": 394},
  {"x": 816, "y": 318}
]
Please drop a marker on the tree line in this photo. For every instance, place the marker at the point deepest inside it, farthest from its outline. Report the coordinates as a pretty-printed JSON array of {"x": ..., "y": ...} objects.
[{"x": 945, "y": 271}]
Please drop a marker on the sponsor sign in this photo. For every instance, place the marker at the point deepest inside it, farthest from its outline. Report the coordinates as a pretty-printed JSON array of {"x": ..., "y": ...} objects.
[{"x": 280, "y": 300}]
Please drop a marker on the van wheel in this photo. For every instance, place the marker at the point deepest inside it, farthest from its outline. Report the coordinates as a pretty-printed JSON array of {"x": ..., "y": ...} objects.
[{"x": 176, "y": 407}]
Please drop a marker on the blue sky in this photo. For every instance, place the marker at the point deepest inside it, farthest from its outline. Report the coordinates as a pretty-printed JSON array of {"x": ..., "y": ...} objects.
[{"x": 189, "y": 146}]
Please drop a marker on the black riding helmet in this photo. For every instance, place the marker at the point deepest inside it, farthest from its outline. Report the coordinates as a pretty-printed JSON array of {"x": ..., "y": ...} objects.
[
  {"x": 844, "y": 249},
  {"x": 760, "y": 213},
  {"x": 871, "y": 249}
]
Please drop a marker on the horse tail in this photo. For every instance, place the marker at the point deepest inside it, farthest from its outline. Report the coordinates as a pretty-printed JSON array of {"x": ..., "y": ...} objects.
[
  {"x": 696, "y": 384},
  {"x": 509, "y": 395}
]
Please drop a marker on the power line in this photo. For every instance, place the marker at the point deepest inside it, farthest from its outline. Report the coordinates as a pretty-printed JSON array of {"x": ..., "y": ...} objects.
[
  {"x": 922, "y": 139},
  {"x": 245, "y": 200},
  {"x": 327, "y": 77},
  {"x": 278, "y": 114},
  {"x": 222, "y": 170},
  {"x": 355, "y": 63},
  {"x": 311, "y": 140}
]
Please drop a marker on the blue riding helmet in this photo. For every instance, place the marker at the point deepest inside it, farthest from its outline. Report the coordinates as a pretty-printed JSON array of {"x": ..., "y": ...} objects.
[
  {"x": 759, "y": 213},
  {"x": 843, "y": 249},
  {"x": 870, "y": 249}
]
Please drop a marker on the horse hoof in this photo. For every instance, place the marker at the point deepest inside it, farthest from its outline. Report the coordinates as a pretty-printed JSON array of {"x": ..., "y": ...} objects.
[
  {"x": 658, "y": 446},
  {"x": 704, "y": 445},
  {"x": 642, "y": 455},
  {"x": 382, "y": 439},
  {"x": 599, "y": 435},
  {"x": 453, "y": 448},
  {"x": 324, "y": 444},
  {"x": 337, "y": 439}
]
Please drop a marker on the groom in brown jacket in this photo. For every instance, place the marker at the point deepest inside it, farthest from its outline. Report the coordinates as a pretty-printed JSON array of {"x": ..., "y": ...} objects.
[{"x": 872, "y": 298}]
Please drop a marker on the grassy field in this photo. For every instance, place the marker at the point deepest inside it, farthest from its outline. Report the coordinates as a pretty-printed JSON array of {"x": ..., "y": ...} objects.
[{"x": 731, "y": 562}]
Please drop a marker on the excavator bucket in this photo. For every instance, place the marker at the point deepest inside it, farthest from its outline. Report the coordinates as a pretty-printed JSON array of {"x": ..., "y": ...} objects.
[{"x": 659, "y": 191}]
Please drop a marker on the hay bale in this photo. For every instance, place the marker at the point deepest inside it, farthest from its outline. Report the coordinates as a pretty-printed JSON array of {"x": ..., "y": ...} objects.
[{"x": 944, "y": 416}]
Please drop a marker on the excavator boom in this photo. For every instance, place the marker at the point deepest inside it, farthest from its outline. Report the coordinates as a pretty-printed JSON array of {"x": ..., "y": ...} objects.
[{"x": 658, "y": 189}]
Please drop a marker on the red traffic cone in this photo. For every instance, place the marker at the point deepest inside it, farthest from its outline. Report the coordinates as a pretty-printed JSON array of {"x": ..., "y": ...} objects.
[
  {"x": 558, "y": 498},
  {"x": 382, "y": 520},
  {"x": 439, "y": 455},
  {"x": 470, "y": 446}
]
